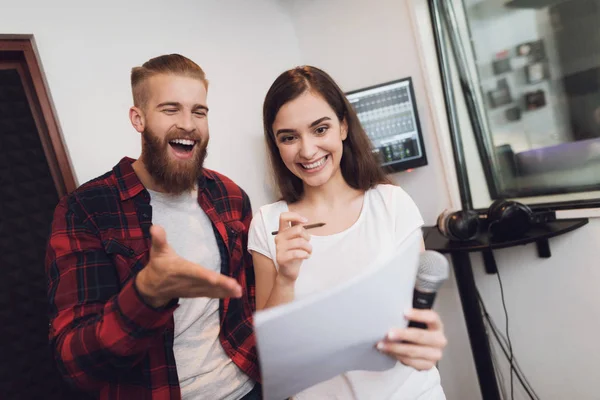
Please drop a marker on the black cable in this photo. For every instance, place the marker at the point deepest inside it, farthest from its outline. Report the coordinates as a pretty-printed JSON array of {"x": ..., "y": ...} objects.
[
  {"x": 520, "y": 376},
  {"x": 497, "y": 369},
  {"x": 519, "y": 372},
  {"x": 502, "y": 342},
  {"x": 512, "y": 393}
]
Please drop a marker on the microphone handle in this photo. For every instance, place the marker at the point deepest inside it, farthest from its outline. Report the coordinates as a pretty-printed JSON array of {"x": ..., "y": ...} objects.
[{"x": 421, "y": 301}]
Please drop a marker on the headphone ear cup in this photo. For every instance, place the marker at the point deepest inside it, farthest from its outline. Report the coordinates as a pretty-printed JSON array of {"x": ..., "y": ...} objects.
[
  {"x": 495, "y": 210},
  {"x": 459, "y": 225},
  {"x": 522, "y": 217},
  {"x": 509, "y": 219},
  {"x": 442, "y": 223},
  {"x": 526, "y": 209}
]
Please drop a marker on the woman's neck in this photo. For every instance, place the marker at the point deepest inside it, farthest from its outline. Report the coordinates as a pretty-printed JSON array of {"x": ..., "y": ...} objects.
[{"x": 335, "y": 193}]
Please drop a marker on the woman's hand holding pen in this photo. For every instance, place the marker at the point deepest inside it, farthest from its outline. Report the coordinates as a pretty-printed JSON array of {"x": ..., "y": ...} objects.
[
  {"x": 416, "y": 347},
  {"x": 292, "y": 247}
]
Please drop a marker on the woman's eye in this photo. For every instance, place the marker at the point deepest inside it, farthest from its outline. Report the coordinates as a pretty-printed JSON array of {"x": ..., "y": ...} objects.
[
  {"x": 284, "y": 139},
  {"x": 321, "y": 130}
]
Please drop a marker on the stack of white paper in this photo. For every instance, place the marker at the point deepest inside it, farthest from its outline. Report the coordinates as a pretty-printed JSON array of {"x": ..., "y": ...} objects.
[{"x": 317, "y": 338}]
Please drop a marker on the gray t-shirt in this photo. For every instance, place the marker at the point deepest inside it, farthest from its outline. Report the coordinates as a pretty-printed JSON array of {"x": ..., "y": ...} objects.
[{"x": 204, "y": 369}]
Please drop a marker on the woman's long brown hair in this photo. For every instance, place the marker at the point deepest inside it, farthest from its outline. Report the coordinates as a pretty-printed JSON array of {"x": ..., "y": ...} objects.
[{"x": 360, "y": 167}]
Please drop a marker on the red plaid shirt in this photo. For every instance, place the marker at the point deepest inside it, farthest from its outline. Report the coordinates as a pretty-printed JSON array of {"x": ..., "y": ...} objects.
[{"x": 106, "y": 339}]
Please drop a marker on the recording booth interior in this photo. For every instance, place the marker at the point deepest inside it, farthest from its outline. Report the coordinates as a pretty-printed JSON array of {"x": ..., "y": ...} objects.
[{"x": 486, "y": 113}]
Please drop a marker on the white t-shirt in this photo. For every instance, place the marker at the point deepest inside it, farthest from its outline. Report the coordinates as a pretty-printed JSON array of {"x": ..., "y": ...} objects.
[
  {"x": 387, "y": 217},
  {"x": 205, "y": 371}
]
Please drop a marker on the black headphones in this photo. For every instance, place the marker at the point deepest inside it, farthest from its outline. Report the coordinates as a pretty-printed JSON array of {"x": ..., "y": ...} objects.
[
  {"x": 504, "y": 219},
  {"x": 458, "y": 225}
]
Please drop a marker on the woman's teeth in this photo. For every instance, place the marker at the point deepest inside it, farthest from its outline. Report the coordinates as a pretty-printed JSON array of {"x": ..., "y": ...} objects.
[{"x": 316, "y": 164}]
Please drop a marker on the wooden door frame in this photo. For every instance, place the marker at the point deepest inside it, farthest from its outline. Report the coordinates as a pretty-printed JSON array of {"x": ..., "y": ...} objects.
[{"x": 42, "y": 109}]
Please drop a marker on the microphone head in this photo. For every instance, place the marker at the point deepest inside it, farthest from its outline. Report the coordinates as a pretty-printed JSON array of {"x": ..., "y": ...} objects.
[{"x": 433, "y": 271}]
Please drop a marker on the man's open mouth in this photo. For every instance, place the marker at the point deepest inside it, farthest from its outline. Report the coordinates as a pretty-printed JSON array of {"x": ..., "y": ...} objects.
[{"x": 182, "y": 145}]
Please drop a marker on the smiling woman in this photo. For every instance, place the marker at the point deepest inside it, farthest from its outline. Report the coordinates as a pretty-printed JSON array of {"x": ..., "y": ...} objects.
[
  {"x": 310, "y": 149},
  {"x": 333, "y": 124},
  {"x": 327, "y": 173}
]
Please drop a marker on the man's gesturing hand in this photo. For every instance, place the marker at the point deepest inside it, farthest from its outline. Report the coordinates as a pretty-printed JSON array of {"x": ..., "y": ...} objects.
[{"x": 168, "y": 276}]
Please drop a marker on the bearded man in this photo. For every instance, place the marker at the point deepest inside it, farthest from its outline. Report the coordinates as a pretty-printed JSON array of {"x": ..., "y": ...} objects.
[{"x": 150, "y": 284}]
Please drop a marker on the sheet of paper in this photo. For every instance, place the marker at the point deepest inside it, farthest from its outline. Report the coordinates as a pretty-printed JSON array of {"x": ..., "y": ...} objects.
[{"x": 317, "y": 338}]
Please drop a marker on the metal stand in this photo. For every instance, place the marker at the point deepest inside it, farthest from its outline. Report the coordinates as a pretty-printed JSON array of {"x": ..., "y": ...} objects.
[{"x": 480, "y": 346}]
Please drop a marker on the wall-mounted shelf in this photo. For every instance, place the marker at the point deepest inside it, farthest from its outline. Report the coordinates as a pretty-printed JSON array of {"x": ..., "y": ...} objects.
[{"x": 538, "y": 235}]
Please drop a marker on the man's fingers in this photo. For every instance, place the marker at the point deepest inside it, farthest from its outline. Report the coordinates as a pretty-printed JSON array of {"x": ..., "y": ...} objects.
[
  {"x": 221, "y": 290},
  {"x": 230, "y": 287},
  {"x": 289, "y": 218},
  {"x": 159, "y": 238},
  {"x": 214, "y": 284}
]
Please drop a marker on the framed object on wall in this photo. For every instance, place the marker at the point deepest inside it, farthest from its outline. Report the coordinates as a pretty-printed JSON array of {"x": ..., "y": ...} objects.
[
  {"x": 388, "y": 113},
  {"x": 501, "y": 95},
  {"x": 536, "y": 72},
  {"x": 535, "y": 100}
]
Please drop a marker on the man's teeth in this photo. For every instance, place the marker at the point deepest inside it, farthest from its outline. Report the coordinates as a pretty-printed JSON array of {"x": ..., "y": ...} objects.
[
  {"x": 315, "y": 164},
  {"x": 186, "y": 142}
]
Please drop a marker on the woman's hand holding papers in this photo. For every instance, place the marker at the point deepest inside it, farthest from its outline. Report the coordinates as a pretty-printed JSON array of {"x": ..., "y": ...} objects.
[{"x": 415, "y": 347}]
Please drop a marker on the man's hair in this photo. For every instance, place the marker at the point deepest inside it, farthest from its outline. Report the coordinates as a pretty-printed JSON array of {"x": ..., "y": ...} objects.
[{"x": 174, "y": 64}]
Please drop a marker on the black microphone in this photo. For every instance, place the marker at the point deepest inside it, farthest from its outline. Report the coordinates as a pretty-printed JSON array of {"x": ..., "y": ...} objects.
[{"x": 433, "y": 271}]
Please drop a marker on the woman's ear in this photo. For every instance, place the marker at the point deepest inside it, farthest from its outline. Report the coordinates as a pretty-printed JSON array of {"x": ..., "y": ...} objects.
[{"x": 344, "y": 129}]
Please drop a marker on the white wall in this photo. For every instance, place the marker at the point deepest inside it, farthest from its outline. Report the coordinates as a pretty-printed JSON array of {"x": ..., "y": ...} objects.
[{"x": 88, "y": 49}]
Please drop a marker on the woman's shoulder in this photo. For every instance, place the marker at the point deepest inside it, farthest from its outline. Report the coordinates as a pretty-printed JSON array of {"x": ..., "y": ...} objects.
[
  {"x": 398, "y": 204},
  {"x": 269, "y": 213},
  {"x": 392, "y": 194},
  {"x": 265, "y": 220}
]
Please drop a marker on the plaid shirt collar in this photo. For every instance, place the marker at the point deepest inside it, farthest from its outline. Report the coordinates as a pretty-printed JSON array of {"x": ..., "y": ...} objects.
[{"x": 129, "y": 184}]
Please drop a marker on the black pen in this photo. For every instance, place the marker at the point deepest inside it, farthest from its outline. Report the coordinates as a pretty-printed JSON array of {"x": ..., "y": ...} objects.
[{"x": 311, "y": 226}]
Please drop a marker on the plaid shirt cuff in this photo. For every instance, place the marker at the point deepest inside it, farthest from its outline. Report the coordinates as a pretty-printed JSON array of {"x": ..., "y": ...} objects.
[{"x": 139, "y": 314}]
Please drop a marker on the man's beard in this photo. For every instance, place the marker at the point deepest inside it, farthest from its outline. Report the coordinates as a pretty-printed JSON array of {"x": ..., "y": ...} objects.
[{"x": 173, "y": 176}]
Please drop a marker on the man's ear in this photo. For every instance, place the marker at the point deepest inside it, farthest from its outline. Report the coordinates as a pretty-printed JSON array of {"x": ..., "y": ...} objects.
[
  {"x": 137, "y": 118},
  {"x": 344, "y": 129}
]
